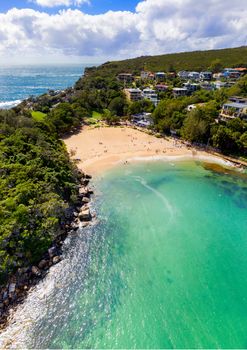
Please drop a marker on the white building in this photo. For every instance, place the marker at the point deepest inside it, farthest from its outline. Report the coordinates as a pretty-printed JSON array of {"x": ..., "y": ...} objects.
[
  {"x": 233, "y": 110},
  {"x": 221, "y": 84},
  {"x": 143, "y": 120},
  {"x": 194, "y": 76},
  {"x": 183, "y": 74},
  {"x": 151, "y": 95},
  {"x": 133, "y": 94},
  {"x": 191, "y": 87}
]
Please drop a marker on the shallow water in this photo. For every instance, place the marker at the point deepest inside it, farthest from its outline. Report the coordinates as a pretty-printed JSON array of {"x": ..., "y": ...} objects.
[{"x": 164, "y": 268}]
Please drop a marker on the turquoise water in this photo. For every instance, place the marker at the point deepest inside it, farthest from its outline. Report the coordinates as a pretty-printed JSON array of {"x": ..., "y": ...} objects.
[
  {"x": 19, "y": 82},
  {"x": 166, "y": 267}
]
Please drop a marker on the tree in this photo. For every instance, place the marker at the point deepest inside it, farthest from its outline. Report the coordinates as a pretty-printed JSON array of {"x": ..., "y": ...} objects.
[
  {"x": 225, "y": 140},
  {"x": 117, "y": 105},
  {"x": 243, "y": 141},
  {"x": 216, "y": 66},
  {"x": 63, "y": 117},
  {"x": 141, "y": 106},
  {"x": 196, "y": 126}
]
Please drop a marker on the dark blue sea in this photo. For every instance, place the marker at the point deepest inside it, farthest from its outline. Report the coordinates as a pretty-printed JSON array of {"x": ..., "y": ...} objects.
[{"x": 19, "y": 82}]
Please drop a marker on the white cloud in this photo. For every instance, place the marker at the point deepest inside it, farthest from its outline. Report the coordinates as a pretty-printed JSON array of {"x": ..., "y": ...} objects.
[
  {"x": 157, "y": 26},
  {"x": 54, "y": 3}
]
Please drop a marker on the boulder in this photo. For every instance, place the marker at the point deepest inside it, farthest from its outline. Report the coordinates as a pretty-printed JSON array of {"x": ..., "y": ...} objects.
[
  {"x": 83, "y": 191},
  {"x": 85, "y": 215},
  {"x": 43, "y": 264},
  {"x": 85, "y": 182},
  {"x": 56, "y": 259},
  {"x": 22, "y": 270},
  {"x": 90, "y": 191},
  {"x": 75, "y": 226},
  {"x": 52, "y": 252},
  {"x": 36, "y": 271},
  {"x": 85, "y": 200}
]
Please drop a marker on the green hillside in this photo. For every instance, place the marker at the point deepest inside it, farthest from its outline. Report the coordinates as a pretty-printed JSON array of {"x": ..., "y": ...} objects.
[{"x": 197, "y": 60}]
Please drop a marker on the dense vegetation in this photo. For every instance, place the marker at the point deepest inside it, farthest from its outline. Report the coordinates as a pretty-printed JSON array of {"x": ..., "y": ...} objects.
[
  {"x": 196, "y": 61},
  {"x": 201, "y": 125},
  {"x": 38, "y": 183}
]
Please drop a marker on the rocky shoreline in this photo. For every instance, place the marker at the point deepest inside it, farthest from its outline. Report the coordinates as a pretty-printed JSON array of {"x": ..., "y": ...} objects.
[{"x": 16, "y": 290}]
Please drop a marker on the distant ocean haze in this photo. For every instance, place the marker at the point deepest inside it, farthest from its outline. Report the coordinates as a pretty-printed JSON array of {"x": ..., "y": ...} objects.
[{"x": 20, "y": 82}]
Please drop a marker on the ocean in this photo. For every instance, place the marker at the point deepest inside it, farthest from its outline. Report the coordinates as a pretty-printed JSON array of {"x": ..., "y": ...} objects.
[
  {"x": 164, "y": 266},
  {"x": 19, "y": 82}
]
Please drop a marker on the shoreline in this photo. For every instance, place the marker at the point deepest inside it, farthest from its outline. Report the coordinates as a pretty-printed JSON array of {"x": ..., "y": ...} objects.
[
  {"x": 97, "y": 150},
  {"x": 98, "y": 166},
  {"x": 16, "y": 290}
]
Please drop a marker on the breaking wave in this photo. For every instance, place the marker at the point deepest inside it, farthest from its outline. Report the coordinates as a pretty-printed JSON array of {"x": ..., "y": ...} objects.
[{"x": 9, "y": 104}]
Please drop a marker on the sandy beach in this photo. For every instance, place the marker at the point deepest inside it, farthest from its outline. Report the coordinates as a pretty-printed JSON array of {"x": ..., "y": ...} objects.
[{"x": 99, "y": 149}]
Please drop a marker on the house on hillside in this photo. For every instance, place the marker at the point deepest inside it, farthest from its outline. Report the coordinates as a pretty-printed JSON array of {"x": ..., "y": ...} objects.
[
  {"x": 221, "y": 84},
  {"x": 183, "y": 74},
  {"x": 206, "y": 85},
  {"x": 231, "y": 110},
  {"x": 180, "y": 92},
  {"x": 125, "y": 77},
  {"x": 143, "y": 120},
  {"x": 145, "y": 75},
  {"x": 218, "y": 76},
  {"x": 206, "y": 76},
  {"x": 194, "y": 76},
  {"x": 160, "y": 76},
  {"x": 231, "y": 73},
  {"x": 241, "y": 70},
  {"x": 150, "y": 95},
  {"x": 191, "y": 87},
  {"x": 238, "y": 99},
  {"x": 161, "y": 87},
  {"x": 133, "y": 94}
]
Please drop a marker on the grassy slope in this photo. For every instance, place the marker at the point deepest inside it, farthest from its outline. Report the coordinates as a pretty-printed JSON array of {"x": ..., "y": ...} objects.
[
  {"x": 38, "y": 116},
  {"x": 197, "y": 60},
  {"x": 94, "y": 119}
]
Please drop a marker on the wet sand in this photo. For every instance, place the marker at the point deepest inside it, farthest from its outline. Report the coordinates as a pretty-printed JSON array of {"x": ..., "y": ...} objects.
[{"x": 100, "y": 149}]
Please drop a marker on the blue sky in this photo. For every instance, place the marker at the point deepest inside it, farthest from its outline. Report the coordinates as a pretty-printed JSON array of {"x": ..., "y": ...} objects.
[
  {"x": 92, "y": 31},
  {"x": 96, "y": 6}
]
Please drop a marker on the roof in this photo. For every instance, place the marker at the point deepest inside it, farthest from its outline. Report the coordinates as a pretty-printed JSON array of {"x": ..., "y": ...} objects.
[
  {"x": 236, "y": 105},
  {"x": 161, "y": 87},
  {"x": 241, "y": 98},
  {"x": 220, "y": 82},
  {"x": 134, "y": 90},
  {"x": 240, "y": 69},
  {"x": 180, "y": 89},
  {"x": 148, "y": 90}
]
